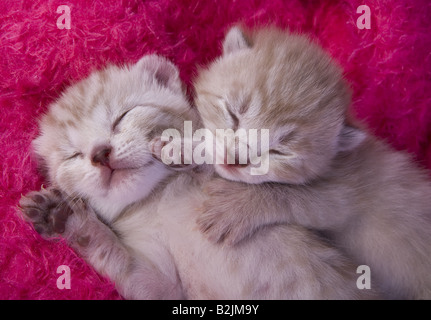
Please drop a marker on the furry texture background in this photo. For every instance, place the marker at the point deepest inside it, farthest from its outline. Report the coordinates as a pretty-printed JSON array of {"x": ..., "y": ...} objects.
[{"x": 389, "y": 67}]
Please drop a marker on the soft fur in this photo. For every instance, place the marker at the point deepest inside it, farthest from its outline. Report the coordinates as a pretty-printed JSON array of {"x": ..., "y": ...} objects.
[
  {"x": 336, "y": 178},
  {"x": 97, "y": 144},
  {"x": 388, "y": 67}
]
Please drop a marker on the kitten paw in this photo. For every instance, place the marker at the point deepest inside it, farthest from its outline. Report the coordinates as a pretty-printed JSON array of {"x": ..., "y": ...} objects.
[
  {"x": 156, "y": 146},
  {"x": 224, "y": 216},
  {"x": 46, "y": 210}
]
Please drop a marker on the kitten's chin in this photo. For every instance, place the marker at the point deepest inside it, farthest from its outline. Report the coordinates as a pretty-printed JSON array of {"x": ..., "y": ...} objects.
[
  {"x": 120, "y": 176},
  {"x": 127, "y": 186}
]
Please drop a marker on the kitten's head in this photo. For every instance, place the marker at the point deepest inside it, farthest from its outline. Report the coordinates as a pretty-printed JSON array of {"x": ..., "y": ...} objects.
[
  {"x": 270, "y": 79},
  {"x": 96, "y": 140}
]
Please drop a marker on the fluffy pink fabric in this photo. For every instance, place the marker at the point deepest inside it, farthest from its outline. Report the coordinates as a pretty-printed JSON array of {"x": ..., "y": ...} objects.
[{"x": 389, "y": 67}]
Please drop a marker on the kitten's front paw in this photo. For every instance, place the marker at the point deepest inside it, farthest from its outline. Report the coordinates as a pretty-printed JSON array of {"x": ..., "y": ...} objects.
[
  {"x": 223, "y": 219},
  {"x": 156, "y": 146},
  {"x": 46, "y": 210}
]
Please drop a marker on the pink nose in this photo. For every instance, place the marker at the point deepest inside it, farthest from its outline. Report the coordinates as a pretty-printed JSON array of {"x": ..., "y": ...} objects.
[{"x": 101, "y": 156}]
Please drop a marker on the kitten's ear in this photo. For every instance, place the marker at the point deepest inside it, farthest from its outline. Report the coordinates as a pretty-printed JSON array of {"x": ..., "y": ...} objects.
[
  {"x": 349, "y": 138},
  {"x": 164, "y": 71},
  {"x": 234, "y": 41}
]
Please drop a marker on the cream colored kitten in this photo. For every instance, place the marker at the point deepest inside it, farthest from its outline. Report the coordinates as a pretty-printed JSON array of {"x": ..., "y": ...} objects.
[
  {"x": 373, "y": 201},
  {"x": 100, "y": 143}
]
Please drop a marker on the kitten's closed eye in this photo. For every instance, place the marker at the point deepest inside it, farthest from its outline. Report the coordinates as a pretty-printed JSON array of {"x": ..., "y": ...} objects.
[
  {"x": 74, "y": 155},
  {"x": 286, "y": 138},
  {"x": 282, "y": 142},
  {"x": 276, "y": 152},
  {"x": 118, "y": 120}
]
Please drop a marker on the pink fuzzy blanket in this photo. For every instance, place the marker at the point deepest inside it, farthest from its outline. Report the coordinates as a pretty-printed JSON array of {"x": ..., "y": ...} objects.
[{"x": 388, "y": 65}]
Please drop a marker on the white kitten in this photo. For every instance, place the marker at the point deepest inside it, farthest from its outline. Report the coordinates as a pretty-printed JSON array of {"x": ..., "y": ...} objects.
[{"x": 97, "y": 142}]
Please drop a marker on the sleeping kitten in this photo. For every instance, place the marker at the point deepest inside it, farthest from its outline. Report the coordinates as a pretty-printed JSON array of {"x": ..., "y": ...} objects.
[
  {"x": 100, "y": 143},
  {"x": 373, "y": 201}
]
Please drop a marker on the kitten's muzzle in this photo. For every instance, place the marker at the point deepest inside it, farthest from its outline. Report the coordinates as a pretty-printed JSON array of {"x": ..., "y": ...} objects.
[{"x": 101, "y": 156}]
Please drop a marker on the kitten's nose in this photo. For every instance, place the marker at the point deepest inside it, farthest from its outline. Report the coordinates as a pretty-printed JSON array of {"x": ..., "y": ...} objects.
[{"x": 101, "y": 156}]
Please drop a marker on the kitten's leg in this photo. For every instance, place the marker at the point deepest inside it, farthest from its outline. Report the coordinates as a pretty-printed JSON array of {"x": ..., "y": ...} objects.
[
  {"x": 234, "y": 210},
  {"x": 134, "y": 276}
]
